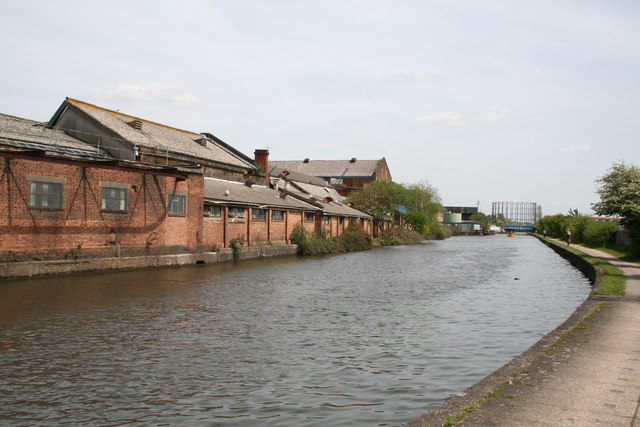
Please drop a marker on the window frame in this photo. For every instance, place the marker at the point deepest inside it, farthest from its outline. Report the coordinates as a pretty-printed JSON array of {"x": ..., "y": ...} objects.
[
  {"x": 36, "y": 198},
  {"x": 121, "y": 188},
  {"x": 258, "y": 214},
  {"x": 209, "y": 214},
  {"x": 174, "y": 196},
  {"x": 232, "y": 209}
]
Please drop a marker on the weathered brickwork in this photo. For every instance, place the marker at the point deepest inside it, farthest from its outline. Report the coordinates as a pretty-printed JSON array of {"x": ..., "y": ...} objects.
[
  {"x": 219, "y": 231},
  {"x": 80, "y": 225}
]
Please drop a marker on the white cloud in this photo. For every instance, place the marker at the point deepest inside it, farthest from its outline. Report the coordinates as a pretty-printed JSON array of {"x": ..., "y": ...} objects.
[
  {"x": 574, "y": 148},
  {"x": 408, "y": 78},
  {"x": 447, "y": 118},
  {"x": 454, "y": 119},
  {"x": 492, "y": 114},
  {"x": 155, "y": 93}
]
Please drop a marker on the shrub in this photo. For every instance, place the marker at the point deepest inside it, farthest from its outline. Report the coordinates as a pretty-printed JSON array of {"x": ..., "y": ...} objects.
[
  {"x": 599, "y": 233},
  {"x": 236, "y": 247},
  {"x": 354, "y": 238},
  {"x": 310, "y": 243}
]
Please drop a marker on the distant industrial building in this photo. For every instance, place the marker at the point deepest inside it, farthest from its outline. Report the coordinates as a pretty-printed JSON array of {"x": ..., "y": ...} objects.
[
  {"x": 464, "y": 211},
  {"x": 519, "y": 212}
]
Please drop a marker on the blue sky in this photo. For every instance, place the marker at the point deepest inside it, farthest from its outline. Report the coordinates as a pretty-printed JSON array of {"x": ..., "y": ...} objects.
[{"x": 485, "y": 100}]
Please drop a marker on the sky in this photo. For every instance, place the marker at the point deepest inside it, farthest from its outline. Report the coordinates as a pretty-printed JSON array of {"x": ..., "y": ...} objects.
[{"x": 484, "y": 100}]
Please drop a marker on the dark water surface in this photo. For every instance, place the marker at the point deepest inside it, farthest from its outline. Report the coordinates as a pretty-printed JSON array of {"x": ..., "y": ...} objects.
[{"x": 371, "y": 338}]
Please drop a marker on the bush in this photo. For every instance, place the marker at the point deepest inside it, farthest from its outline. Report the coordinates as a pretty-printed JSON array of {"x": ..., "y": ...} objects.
[
  {"x": 236, "y": 247},
  {"x": 599, "y": 233},
  {"x": 354, "y": 238},
  {"x": 310, "y": 243}
]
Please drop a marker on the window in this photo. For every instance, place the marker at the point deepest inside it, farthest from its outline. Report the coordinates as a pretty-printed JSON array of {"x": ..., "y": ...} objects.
[
  {"x": 277, "y": 215},
  {"x": 46, "y": 192},
  {"x": 335, "y": 181},
  {"x": 308, "y": 216},
  {"x": 213, "y": 211},
  {"x": 326, "y": 219},
  {"x": 259, "y": 214},
  {"x": 236, "y": 212},
  {"x": 341, "y": 220},
  {"x": 177, "y": 204},
  {"x": 114, "y": 199}
]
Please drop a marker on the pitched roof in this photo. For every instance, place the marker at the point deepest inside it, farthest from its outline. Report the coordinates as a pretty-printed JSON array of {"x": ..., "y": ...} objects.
[
  {"x": 160, "y": 136},
  {"x": 230, "y": 192},
  {"x": 319, "y": 194},
  {"x": 29, "y": 134},
  {"x": 296, "y": 176},
  {"x": 329, "y": 168}
]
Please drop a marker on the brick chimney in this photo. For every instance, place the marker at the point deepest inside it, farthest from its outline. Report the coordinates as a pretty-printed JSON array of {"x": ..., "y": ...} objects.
[{"x": 262, "y": 162}]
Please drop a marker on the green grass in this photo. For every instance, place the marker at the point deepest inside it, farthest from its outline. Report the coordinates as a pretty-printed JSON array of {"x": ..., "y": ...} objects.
[
  {"x": 613, "y": 281},
  {"x": 620, "y": 252}
]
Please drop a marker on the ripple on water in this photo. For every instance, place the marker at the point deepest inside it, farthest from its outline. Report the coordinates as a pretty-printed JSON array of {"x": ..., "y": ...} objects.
[{"x": 370, "y": 338}]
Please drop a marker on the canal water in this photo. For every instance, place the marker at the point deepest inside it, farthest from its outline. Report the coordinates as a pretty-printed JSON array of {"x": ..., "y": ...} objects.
[{"x": 370, "y": 338}]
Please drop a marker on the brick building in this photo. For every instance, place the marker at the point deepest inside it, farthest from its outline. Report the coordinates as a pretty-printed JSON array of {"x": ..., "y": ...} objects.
[
  {"x": 60, "y": 196},
  {"x": 127, "y": 137},
  {"x": 344, "y": 175},
  {"x": 336, "y": 215},
  {"x": 254, "y": 214},
  {"x": 96, "y": 182}
]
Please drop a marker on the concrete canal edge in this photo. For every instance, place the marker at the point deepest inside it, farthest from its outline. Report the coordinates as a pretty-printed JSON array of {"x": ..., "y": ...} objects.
[
  {"x": 477, "y": 393},
  {"x": 33, "y": 269}
]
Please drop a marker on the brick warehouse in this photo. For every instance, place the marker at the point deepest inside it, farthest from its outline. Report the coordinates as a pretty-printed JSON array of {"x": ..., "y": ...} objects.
[{"x": 94, "y": 182}]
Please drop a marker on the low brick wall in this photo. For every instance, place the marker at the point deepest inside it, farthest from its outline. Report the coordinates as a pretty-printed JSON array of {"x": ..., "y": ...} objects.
[{"x": 13, "y": 270}]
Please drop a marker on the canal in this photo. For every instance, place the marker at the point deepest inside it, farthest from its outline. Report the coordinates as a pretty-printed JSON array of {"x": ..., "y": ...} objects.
[{"x": 370, "y": 338}]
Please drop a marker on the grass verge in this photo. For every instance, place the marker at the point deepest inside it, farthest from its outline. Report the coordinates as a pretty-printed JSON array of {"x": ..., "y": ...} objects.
[{"x": 613, "y": 281}]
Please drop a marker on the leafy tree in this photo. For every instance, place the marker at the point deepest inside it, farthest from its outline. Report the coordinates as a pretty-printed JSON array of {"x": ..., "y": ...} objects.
[
  {"x": 378, "y": 198},
  {"x": 382, "y": 199},
  {"x": 619, "y": 193},
  {"x": 481, "y": 219}
]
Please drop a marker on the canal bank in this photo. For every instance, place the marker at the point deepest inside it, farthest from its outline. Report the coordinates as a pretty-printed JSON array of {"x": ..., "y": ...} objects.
[
  {"x": 585, "y": 372},
  {"x": 32, "y": 269}
]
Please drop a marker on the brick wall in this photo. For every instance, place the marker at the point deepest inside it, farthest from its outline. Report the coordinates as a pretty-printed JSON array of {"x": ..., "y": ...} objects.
[{"x": 81, "y": 225}]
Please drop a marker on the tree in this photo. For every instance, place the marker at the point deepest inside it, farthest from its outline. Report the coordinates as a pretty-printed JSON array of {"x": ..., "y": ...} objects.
[
  {"x": 619, "y": 193},
  {"x": 381, "y": 199},
  {"x": 481, "y": 219}
]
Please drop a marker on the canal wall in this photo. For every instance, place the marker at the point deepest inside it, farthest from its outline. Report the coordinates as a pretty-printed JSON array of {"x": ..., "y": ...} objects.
[
  {"x": 30, "y": 269},
  {"x": 477, "y": 393}
]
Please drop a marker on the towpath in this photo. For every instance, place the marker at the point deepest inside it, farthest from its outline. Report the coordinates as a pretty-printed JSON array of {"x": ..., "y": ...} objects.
[{"x": 588, "y": 376}]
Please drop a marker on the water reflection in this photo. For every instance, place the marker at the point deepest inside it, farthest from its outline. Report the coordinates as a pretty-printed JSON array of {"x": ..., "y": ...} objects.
[{"x": 372, "y": 338}]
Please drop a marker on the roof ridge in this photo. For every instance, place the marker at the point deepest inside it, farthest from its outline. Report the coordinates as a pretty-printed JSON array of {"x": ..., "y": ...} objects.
[
  {"x": 9, "y": 116},
  {"x": 77, "y": 102}
]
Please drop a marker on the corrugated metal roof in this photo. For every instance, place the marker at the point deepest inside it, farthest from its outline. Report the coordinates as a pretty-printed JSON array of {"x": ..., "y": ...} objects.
[
  {"x": 329, "y": 168},
  {"x": 30, "y": 134},
  {"x": 229, "y": 192},
  {"x": 160, "y": 136}
]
